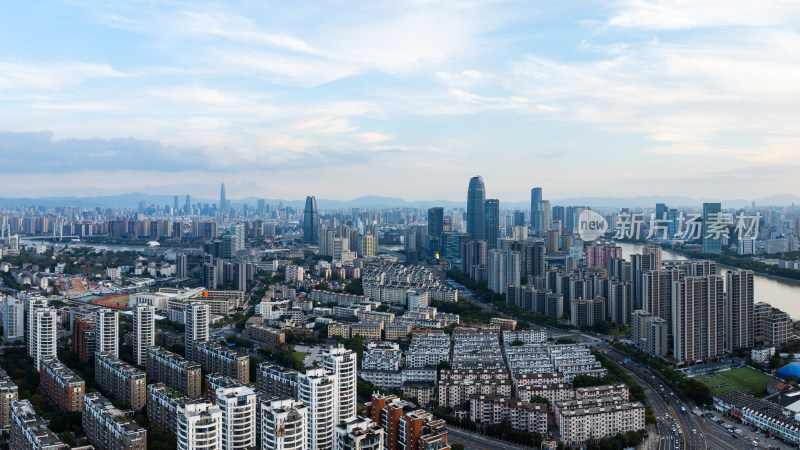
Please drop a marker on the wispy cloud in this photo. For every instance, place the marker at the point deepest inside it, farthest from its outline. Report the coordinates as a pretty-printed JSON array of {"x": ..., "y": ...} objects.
[{"x": 443, "y": 88}]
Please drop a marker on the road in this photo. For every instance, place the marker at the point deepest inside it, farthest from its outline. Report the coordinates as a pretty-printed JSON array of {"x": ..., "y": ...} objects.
[
  {"x": 668, "y": 438},
  {"x": 476, "y": 441}
]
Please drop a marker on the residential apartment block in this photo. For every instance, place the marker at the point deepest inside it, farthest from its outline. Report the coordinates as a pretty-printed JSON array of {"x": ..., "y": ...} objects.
[
  {"x": 121, "y": 380},
  {"x": 29, "y": 431},
  {"x": 214, "y": 358},
  {"x": 108, "y": 428},
  {"x": 60, "y": 386},
  {"x": 175, "y": 371}
]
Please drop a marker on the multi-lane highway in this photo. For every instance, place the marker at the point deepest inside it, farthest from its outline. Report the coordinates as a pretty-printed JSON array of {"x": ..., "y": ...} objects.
[{"x": 683, "y": 428}]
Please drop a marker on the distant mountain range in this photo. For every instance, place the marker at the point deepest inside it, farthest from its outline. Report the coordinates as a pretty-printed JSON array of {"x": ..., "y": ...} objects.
[{"x": 371, "y": 201}]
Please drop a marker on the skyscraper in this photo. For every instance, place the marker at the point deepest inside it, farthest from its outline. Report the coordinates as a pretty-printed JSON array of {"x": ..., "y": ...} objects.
[
  {"x": 107, "y": 331},
  {"x": 223, "y": 205},
  {"x": 519, "y": 218},
  {"x": 713, "y": 243},
  {"x": 316, "y": 390},
  {"x": 697, "y": 316},
  {"x": 342, "y": 363},
  {"x": 238, "y": 405},
  {"x": 237, "y": 236},
  {"x": 181, "y": 266},
  {"x": 536, "y": 205},
  {"x": 435, "y": 222},
  {"x": 144, "y": 332},
  {"x": 199, "y": 425},
  {"x": 197, "y": 317},
  {"x": 739, "y": 331},
  {"x": 310, "y": 220},
  {"x": 476, "y": 195},
  {"x": 13, "y": 312},
  {"x": 42, "y": 337},
  {"x": 661, "y": 211},
  {"x": 284, "y": 424},
  {"x": 435, "y": 230},
  {"x": 491, "y": 211},
  {"x": 544, "y": 216},
  {"x": 187, "y": 207}
]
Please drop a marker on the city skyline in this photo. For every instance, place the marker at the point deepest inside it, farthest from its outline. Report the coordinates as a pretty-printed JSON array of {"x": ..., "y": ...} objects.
[{"x": 666, "y": 98}]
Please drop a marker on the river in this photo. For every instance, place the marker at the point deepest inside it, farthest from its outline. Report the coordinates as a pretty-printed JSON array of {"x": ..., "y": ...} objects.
[{"x": 781, "y": 293}]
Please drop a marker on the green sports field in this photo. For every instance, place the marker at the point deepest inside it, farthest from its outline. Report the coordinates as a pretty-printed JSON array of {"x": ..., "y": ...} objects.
[{"x": 742, "y": 379}]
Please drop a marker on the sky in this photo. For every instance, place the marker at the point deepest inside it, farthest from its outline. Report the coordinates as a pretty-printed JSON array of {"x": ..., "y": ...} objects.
[{"x": 410, "y": 99}]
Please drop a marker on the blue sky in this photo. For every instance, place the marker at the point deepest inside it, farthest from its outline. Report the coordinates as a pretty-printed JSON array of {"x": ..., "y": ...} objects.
[{"x": 404, "y": 99}]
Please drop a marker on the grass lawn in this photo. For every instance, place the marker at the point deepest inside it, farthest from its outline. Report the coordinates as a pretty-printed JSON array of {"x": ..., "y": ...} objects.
[
  {"x": 299, "y": 356},
  {"x": 742, "y": 379}
]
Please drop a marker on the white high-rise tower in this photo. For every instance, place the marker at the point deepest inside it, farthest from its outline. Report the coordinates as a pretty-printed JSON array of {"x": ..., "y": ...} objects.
[
  {"x": 197, "y": 317},
  {"x": 144, "y": 329},
  {"x": 107, "y": 331},
  {"x": 342, "y": 363}
]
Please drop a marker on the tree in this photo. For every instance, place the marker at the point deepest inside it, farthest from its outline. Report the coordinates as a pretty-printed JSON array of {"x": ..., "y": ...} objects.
[
  {"x": 354, "y": 287},
  {"x": 159, "y": 439},
  {"x": 586, "y": 381},
  {"x": 540, "y": 399},
  {"x": 443, "y": 365},
  {"x": 517, "y": 343}
]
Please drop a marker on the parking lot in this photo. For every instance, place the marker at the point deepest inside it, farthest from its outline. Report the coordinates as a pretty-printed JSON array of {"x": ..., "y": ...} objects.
[{"x": 312, "y": 357}]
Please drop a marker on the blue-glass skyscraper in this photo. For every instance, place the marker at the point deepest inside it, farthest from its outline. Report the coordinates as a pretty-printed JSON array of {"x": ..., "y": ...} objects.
[
  {"x": 711, "y": 213},
  {"x": 476, "y": 195},
  {"x": 536, "y": 207},
  {"x": 310, "y": 220},
  {"x": 491, "y": 212}
]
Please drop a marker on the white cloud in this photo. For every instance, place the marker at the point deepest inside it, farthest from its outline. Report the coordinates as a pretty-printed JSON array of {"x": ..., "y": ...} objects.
[
  {"x": 463, "y": 79},
  {"x": 50, "y": 77},
  {"x": 372, "y": 137},
  {"x": 685, "y": 14}
]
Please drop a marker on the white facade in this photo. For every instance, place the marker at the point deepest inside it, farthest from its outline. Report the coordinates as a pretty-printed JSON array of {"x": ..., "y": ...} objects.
[
  {"x": 317, "y": 391},
  {"x": 42, "y": 336},
  {"x": 526, "y": 336},
  {"x": 417, "y": 299},
  {"x": 13, "y": 319},
  {"x": 359, "y": 433},
  {"x": 238, "y": 405},
  {"x": 342, "y": 363},
  {"x": 107, "y": 331},
  {"x": 284, "y": 425},
  {"x": 197, "y": 318},
  {"x": 144, "y": 337},
  {"x": 428, "y": 350},
  {"x": 199, "y": 426},
  {"x": 157, "y": 299}
]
